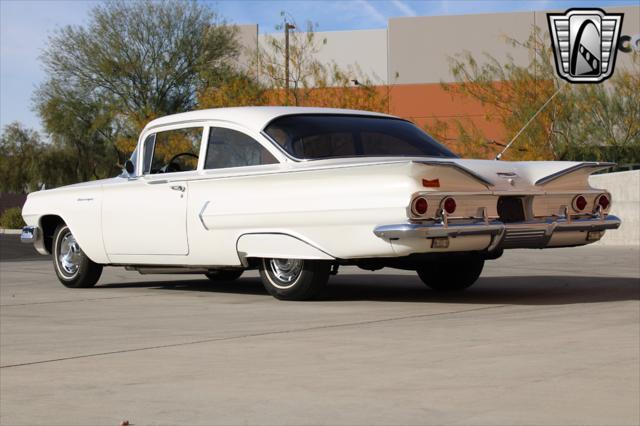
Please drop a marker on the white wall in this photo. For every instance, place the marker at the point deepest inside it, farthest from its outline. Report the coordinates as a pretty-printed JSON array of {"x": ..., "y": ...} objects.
[{"x": 625, "y": 192}]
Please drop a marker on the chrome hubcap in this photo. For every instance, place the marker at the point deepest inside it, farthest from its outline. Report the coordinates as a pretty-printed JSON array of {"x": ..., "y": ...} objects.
[
  {"x": 286, "y": 270},
  {"x": 69, "y": 255}
]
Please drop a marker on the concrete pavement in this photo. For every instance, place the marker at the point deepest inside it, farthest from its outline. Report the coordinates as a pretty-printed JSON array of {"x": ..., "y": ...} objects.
[{"x": 544, "y": 337}]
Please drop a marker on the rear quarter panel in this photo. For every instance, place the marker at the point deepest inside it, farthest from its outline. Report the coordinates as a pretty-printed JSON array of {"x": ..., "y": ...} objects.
[{"x": 333, "y": 209}]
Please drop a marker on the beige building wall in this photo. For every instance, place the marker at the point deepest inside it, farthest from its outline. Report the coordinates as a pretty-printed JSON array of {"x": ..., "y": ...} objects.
[
  {"x": 416, "y": 50},
  {"x": 366, "y": 49},
  {"x": 625, "y": 196},
  {"x": 247, "y": 36},
  {"x": 420, "y": 47}
]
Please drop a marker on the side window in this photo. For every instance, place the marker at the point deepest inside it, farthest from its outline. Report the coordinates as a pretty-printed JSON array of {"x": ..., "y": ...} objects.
[
  {"x": 230, "y": 148},
  {"x": 172, "y": 151}
]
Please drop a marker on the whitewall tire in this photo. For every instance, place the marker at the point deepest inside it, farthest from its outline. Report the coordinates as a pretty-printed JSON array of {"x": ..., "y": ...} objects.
[
  {"x": 73, "y": 268},
  {"x": 294, "y": 279}
]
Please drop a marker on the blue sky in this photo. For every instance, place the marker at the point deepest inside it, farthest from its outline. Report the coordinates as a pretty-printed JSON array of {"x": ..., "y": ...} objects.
[{"x": 26, "y": 24}]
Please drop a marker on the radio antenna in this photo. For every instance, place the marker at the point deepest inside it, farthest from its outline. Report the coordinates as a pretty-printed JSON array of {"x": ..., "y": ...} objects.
[{"x": 499, "y": 156}]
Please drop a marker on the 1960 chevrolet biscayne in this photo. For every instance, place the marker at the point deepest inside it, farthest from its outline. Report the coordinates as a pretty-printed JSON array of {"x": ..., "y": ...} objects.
[{"x": 296, "y": 192}]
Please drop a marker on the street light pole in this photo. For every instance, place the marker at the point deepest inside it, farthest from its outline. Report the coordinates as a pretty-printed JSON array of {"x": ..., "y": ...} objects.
[{"x": 287, "y": 27}]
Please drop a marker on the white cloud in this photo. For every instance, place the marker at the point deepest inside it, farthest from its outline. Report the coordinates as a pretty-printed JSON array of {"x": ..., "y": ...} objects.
[
  {"x": 372, "y": 12},
  {"x": 404, "y": 8}
]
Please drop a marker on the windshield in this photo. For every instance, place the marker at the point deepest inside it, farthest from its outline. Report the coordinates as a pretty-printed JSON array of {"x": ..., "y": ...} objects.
[{"x": 316, "y": 136}]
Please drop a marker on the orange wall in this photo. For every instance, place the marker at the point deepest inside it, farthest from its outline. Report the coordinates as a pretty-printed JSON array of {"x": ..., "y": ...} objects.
[{"x": 426, "y": 103}]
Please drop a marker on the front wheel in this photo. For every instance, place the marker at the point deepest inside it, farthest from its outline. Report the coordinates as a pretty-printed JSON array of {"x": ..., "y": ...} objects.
[
  {"x": 73, "y": 268},
  {"x": 294, "y": 279},
  {"x": 452, "y": 275}
]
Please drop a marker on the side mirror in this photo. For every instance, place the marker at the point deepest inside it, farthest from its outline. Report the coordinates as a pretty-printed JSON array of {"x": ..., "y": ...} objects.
[{"x": 129, "y": 167}]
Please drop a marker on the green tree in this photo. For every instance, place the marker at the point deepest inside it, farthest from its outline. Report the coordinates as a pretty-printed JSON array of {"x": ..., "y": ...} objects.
[
  {"x": 21, "y": 149},
  {"x": 83, "y": 129},
  {"x": 145, "y": 56},
  {"x": 132, "y": 62}
]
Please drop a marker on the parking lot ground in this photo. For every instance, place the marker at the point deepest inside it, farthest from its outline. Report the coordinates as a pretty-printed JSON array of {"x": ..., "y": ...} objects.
[{"x": 545, "y": 337}]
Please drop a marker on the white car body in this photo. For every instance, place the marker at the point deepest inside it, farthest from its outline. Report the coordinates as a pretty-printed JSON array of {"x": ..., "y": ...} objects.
[{"x": 341, "y": 210}]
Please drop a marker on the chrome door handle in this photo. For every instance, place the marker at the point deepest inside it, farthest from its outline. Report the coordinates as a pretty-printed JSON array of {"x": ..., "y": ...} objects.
[{"x": 178, "y": 188}]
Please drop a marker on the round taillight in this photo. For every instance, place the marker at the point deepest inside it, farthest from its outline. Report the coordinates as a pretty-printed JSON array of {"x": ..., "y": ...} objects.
[
  {"x": 579, "y": 203},
  {"x": 449, "y": 205},
  {"x": 420, "y": 206},
  {"x": 603, "y": 201}
]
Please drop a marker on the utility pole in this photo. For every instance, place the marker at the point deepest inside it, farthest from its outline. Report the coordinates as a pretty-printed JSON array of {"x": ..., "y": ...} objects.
[{"x": 287, "y": 27}]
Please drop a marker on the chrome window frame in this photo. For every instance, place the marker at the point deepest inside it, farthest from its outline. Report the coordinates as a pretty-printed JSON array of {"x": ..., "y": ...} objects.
[{"x": 168, "y": 127}]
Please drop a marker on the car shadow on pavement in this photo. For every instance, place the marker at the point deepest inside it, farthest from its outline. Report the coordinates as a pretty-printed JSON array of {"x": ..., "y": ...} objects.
[{"x": 517, "y": 290}]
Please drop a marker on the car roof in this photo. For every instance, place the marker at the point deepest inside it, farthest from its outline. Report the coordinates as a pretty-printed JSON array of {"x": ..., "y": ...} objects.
[{"x": 254, "y": 118}]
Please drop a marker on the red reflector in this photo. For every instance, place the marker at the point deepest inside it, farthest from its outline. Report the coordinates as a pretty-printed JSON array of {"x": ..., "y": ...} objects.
[
  {"x": 420, "y": 206},
  {"x": 431, "y": 183},
  {"x": 579, "y": 203},
  {"x": 449, "y": 205},
  {"x": 603, "y": 201}
]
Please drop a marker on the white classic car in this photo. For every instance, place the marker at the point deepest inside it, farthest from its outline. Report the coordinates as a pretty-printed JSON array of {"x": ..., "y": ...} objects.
[{"x": 296, "y": 192}]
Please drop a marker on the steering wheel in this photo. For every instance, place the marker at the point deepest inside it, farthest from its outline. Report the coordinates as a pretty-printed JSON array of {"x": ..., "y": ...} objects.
[{"x": 175, "y": 167}]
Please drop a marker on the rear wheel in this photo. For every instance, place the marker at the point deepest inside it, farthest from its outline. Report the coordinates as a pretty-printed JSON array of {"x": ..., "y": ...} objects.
[
  {"x": 73, "y": 268},
  {"x": 452, "y": 275},
  {"x": 294, "y": 279},
  {"x": 224, "y": 275}
]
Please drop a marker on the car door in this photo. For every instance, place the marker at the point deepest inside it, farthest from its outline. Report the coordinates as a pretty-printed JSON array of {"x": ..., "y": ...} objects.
[
  {"x": 219, "y": 201},
  {"x": 146, "y": 215}
]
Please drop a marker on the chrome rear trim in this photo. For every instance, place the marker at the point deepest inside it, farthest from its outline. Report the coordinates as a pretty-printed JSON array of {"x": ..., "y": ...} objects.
[
  {"x": 412, "y": 230},
  {"x": 529, "y": 234}
]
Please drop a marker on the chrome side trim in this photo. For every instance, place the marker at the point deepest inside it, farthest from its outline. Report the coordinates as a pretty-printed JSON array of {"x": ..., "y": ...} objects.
[
  {"x": 204, "y": 207},
  {"x": 143, "y": 270},
  {"x": 595, "y": 165}
]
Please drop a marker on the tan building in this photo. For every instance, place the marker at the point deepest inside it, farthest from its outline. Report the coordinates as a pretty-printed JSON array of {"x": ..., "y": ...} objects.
[{"x": 412, "y": 56}]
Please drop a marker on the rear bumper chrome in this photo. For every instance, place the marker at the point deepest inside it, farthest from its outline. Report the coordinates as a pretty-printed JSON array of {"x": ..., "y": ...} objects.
[
  {"x": 529, "y": 234},
  {"x": 437, "y": 230}
]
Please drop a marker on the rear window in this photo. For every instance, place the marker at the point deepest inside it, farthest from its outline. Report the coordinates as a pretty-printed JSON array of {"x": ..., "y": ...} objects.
[{"x": 316, "y": 136}]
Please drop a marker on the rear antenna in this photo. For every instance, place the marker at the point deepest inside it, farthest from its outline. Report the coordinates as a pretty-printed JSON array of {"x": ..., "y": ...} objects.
[{"x": 499, "y": 156}]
